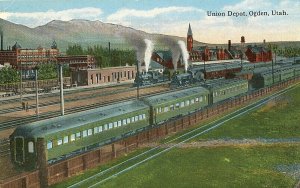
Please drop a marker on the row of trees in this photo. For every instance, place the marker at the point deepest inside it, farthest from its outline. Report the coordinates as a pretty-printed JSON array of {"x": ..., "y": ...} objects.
[
  {"x": 105, "y": 57},
  {"x": 45, "y": 72},
  {"x": 285, "y": 51}
]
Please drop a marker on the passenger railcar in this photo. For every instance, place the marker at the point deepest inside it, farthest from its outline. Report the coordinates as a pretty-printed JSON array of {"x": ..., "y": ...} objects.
[
  {"x": 79, "y": 131},
  {"x": 170, "y": 105},
  {"x": 222, "y": 89}
]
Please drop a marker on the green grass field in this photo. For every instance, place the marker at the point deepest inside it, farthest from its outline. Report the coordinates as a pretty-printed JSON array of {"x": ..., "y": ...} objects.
[
  {"x": 214, "y": 167},
  {"x": 227, "y": 166},
  {"x": 277, "y": 119}
]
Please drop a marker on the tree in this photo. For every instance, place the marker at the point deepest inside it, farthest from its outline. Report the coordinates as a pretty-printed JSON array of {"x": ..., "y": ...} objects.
[
  {"x": 105, "y": 57},
  {"x": 47, "y": 71},
  {"x": 9, "y": 75}
]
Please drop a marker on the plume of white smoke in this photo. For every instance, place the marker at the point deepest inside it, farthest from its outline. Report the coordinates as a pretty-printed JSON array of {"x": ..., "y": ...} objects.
[
  {"x": 138, "y": 42},
  {"x": 148, "y": 53},
  {"x": 184, "y": 53},
  {"x": 174, "y": 47}
]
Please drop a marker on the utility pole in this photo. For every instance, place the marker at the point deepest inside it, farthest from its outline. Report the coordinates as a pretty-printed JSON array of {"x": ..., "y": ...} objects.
[
  {"x": 62, "y": 105},
  {"x": 36, "y": 93},
  {"x": 138, "y": 84},
  {"x": 21, "y": 89}
]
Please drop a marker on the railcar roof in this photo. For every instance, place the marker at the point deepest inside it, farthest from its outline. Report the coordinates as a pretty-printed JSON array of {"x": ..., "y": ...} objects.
[
  {"x": 163, "y": 98},
  {"x": 61, "y": 123},
  {"x": 221, "y": 83}
]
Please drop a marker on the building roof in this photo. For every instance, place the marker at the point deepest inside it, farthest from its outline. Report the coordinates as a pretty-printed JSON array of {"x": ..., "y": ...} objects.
[
  {"x": 16, "y": 46},
  {"x": 164, "y": 54},
  {"x": 54, "y": 45},
  {"x": 190, "y": 33},
  {"x": 155, "y": 65},
  {"x": 169, "y": 97},
  {"x": 257, "y": 49},
  {"x": 53, "y": 125}
]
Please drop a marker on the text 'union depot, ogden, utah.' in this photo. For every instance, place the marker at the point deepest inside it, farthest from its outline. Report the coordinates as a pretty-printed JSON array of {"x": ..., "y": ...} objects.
[{"x": 249, "y": 13}]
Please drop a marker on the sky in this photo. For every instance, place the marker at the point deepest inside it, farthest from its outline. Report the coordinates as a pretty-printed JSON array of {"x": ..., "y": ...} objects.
[{"x": 170, "y": 17}]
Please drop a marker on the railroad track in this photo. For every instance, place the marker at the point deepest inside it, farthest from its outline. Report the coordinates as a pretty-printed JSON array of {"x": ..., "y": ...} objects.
[
  {"x": 47, "y": 115},
  {"x": 57, "y": 101},
  {"x": 100, "y": 178}
]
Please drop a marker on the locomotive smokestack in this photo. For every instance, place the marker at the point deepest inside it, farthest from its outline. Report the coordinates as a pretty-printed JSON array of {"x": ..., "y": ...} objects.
[{"x": 229, "y": 45}]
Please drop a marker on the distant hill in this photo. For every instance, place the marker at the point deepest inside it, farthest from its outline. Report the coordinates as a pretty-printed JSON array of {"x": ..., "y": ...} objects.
[
  {"x": 83, "y": 32},
  {"x": 86, "y": 33}
]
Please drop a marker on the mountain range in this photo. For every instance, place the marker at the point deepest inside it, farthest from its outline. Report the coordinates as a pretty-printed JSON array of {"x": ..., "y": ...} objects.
[
  {"x": 65, "y": 33},
  {"x": 87, "y": 33}
]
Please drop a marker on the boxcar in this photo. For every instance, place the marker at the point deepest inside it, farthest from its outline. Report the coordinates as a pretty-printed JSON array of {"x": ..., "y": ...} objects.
[
  {"x": 78, "y": 131},
  {"x": 169, "y": 105}
]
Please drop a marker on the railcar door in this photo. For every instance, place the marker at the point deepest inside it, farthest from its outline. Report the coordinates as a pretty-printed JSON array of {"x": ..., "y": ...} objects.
[{"x": 19, "y": 149}]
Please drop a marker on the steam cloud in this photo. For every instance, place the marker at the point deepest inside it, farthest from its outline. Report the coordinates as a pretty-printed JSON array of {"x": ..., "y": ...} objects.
[
  {"x": 148, "y": 53},
  {"x": 185, "y": 54},
  {"x": 174, "y": 47},
  {"x": 139, "y": 43}
]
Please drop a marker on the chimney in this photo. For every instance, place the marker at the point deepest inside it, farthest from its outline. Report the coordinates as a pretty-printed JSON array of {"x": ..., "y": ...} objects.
[
  {"x": 264, "y": 41},
  {"x": 229, "y": 45},
  {"x": 1, "y": 33},
  {"x": 242, "y": 39}
]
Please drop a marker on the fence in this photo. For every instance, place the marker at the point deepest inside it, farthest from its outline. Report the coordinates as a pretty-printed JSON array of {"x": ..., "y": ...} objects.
[{"x": 70, "y": 167}]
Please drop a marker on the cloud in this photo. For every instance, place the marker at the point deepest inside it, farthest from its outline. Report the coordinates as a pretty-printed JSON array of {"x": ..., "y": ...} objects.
[
  {"x": 130, "y": 16},
  {"x": 33, "y": 19}
]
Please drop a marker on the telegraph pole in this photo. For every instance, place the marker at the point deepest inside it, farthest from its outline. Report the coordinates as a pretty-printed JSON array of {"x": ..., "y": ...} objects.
[
  {"x": 36, "y": 93},
  {"x": 138, "y": 83},
  {"x": 62, "y": 105}
]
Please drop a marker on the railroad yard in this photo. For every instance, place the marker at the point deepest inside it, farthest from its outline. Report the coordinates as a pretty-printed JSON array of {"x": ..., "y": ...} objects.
[
  {"x": 227, "y": 139},
  {"x": 229, "y": 151}
]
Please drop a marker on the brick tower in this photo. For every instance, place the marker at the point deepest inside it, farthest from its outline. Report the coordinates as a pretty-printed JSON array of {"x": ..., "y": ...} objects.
[{"x": 189, "y": 40}]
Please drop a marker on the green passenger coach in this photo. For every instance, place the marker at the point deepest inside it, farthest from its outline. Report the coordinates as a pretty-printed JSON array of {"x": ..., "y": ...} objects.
[
  {"x": 222, "y": 89},
  {"x": 170, "y": 105},
  {"x": 76, "y": 132}
]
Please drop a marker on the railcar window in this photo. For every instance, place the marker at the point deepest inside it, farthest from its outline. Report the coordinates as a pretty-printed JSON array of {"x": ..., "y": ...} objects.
[
  {"x": 124, "y": 121},
  {"x": 90, "y": 132},
  {"x": 160, "y": 109},
  {"x": 96, "y": 130},
  {"x": 166, "y": 109},
  {"x": 72, "y": 137},
  {"x": 49, "y": 144},
  {"x": 132, "y": 119},
  {"x": 66, "y": 139},
  {"x": 172, "y": 107},
  {"x": 119, "y": 123},
  {"x": 156, "y": 110},
  {"x": 197, "y": 99},
  {"x": 187, "y": 102},
  {"x": 192, "y": 101},
  {"x": 30, "y": 147},
  {"x": 100, "y": 129},
  {"x": 201, "y": 99},
  {"x": 84, "y": 133},
  {"x": 205, "y": 98},
  {"x": 105, "y": 127},
  {"x": 128, "y": 120},
  {"x": 144, "y": 116},
  {"x": 182, "y": 104},
  {"x": 140, "y": 117},
  {"x": 115, "y": 124},
  {"x": 78, "y": 135},
  {"x": 59, "y": 142},
  {"x": 177, "y": 105},
  {"x": 110, "y": 125},
  {"x": 136, "y": 118}
]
